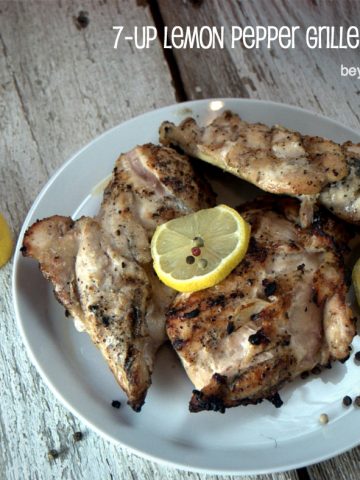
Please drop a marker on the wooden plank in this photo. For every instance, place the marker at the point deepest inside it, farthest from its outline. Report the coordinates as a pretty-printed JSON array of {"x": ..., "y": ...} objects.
[
  {"x": 67, "y": 85},
  {"x": 61, "y": 85},
  {"x": 345, "y": 466},
  {"x": 303, "y": 77}
]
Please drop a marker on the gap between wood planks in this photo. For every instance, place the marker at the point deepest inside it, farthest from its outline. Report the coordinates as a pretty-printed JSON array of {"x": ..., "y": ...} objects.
[
  {"x": 181, "y": 96},
  {"x": 303, "y": 474},
  {"x": 168, "y": 53}
]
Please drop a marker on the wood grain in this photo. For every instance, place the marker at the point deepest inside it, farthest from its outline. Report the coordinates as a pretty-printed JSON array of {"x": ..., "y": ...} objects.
[
  {"x": 344, "y": 466},
  {"x": 301, "y": 77},
  {"x": 60, "y": 86}
]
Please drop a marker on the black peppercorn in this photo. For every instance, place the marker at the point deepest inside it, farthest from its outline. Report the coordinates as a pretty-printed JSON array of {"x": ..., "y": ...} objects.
[
  {"x": 116, "y": 404},
  {"x": 77, "y": 436},
  {"x": 347, "y": 401},
  {"x": 82, "y": 20},
  {"x": 53, "y": 454}
]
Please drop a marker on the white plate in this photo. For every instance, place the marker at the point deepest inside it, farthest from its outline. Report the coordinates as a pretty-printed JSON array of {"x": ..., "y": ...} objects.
[{"x": 253, "y": 439}]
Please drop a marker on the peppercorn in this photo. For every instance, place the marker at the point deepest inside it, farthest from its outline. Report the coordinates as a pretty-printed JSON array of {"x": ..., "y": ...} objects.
[
  {"x": 357, "y": 401},
  {"x": 190, "y": 260},
  {"x": 82, "y": 20},
  {"x": 116, "y": 404},
  {"x": 323, "y": 419},
  {"x": 203, "y": 263},
  {"x": 77, "y": 436},
  {"x": 357, "y": 356},
  {"x": 347, "y": 401},
  {"x": 198, "y": 242},
  {"x": 196, "y": 251},
  {"x": 52, "y": 454}
]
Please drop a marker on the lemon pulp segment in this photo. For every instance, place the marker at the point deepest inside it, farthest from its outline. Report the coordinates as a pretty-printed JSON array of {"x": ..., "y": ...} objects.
[{"x": 223, "y": 236}]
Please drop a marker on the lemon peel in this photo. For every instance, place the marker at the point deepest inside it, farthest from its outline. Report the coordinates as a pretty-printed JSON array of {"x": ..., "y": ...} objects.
[{"x": 6, "y": 242}]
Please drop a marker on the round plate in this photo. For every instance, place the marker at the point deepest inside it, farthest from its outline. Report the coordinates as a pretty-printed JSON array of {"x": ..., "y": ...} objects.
[{"x": 246, "y": 440}]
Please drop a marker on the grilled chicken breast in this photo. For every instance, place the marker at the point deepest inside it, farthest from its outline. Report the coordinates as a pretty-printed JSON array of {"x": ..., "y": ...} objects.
[
  {"x": 100, "y": 268},
  {"x": 150, "y": 185},
  {"x": 280, "y": 313},
  {"x": 274, "y": 159},
  {"x": 343, "y": 197},
  {"x": 107, "y": 295}
]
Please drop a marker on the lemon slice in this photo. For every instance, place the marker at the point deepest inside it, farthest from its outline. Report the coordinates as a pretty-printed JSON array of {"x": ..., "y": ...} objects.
[
  {"x": 6, "y": 243},
  {"x": 199, "y": 250},
  {"x": 356, "y": 280}
]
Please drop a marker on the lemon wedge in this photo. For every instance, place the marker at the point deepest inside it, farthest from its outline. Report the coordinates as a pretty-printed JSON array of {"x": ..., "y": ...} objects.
[
  {"x": 356, "y": 280},
  {"x": 6, "y": 243},
  {"x": 199, "y": 250}
]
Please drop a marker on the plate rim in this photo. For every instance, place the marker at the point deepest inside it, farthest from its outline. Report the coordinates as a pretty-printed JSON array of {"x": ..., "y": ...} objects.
[{"x": 15, "y": 272}]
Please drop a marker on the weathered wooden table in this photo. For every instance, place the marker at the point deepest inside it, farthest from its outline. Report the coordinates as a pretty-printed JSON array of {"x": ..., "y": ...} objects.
[{"x": 61, "y": 84}]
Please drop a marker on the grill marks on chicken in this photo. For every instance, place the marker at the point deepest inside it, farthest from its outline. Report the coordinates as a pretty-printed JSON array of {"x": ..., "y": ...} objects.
[
  {"x": 343, "y": 197},
  {"x": 150, "y": 185},
  {"x": 115, "y": 293},
  {"x": 275, "y": 159},
  {"x": 281, "y": 312},
  {"x": 100, "y": 268},
  {"x": 104, "y": 292},
  {"x": 54, "y": 243}
]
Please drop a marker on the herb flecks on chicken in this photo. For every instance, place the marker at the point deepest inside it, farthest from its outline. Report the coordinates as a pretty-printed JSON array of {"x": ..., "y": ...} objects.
[
  {"x": 150, "y": 185},
  {"x": 105, "y": 292},
  {"x": 280, "y": 313},
  {"x": 275, "y": 159},
  {"x": 343, "y": 197},
  {"x": 100, "y": 268}
]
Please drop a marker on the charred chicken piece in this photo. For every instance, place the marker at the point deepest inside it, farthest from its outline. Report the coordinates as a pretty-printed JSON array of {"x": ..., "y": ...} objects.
[
  {"x": 107, "y": 295},
  {"x": 100, "y": 268},
  {"x": 343, "y": 197},
  {"x": 274, "y": 159},
  {"x": 280, "y": 313},
  {"x": 150, "y": 185}
]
